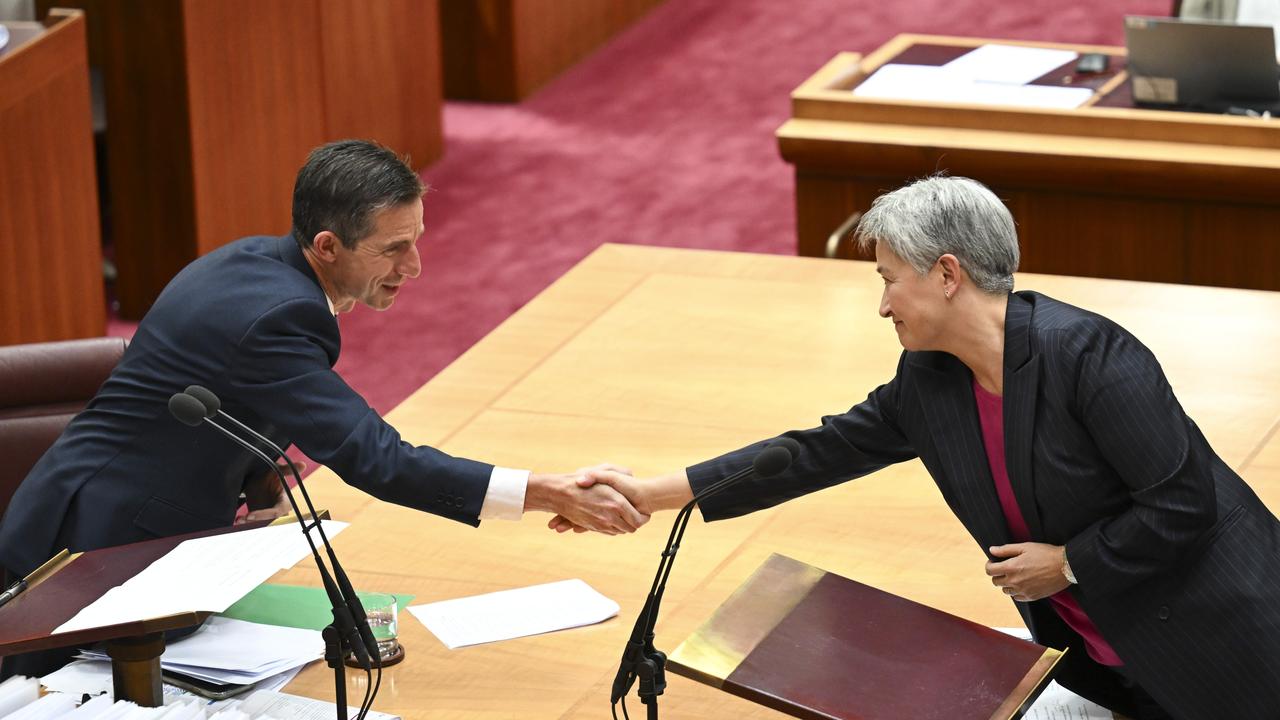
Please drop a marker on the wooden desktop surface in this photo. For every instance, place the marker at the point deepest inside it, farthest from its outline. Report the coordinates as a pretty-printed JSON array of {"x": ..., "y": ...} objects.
[{"x": 657, "y": 358}]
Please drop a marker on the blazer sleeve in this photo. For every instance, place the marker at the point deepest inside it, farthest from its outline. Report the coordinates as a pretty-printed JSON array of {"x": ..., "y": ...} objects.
[
  {"x": 284, "y": 375},
  {"x": 843, "y": 447},
  {"x": 1130, "y": 412}
]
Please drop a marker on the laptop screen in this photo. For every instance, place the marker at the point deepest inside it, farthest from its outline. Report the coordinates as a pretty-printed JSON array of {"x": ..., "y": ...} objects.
[{"x": 1200, "y": 64}]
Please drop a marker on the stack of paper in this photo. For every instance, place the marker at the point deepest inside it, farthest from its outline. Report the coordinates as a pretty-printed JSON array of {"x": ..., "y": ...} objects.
[
  {"x": 234, "y": 652},
  {"x": 989, "y": 75},
  {"x": 17, "y": 692},
  {"x": 262, "y": 705},
  {"x": 208, "y": 573}
]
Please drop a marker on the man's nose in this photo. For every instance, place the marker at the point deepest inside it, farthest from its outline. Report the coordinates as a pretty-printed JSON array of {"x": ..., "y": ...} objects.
[
  {"x": 411, "y": 267},
  {"x": 884, "y": 304}
]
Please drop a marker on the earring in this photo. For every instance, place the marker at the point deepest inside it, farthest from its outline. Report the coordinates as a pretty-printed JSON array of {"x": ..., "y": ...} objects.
[{"x": 946, "y": 294}]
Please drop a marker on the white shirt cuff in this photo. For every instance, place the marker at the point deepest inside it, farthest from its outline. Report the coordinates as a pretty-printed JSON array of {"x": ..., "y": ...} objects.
[{"x": 504, "y": 500}]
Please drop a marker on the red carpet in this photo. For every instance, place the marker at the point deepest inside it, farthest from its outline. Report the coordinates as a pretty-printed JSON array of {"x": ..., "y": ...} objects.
[{"x": 663, "y": 137}]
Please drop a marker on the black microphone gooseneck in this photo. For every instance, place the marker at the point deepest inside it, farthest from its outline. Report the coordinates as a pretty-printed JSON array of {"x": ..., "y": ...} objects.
[
  {"x": 213, "y": 408},
  {"x": 641, "y": 660},
  {"x": 192, "y": 410}
]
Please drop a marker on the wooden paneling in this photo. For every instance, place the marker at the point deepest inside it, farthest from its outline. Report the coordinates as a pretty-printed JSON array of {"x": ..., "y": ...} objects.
[
  {"x": 256, "y": 107},
  {"x": 504, "y": 50},
  {"x": 213, "y": 106},
  {"x": 1102, "y": 191},
  {"x": 387, "y": 88},
  {"x": 50, "y": 246},
  {"x": 1233, "y": 244}
]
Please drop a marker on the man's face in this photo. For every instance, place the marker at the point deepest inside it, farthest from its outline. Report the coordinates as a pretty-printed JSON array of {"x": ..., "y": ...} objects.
[
  {"x": 913, "y": 302},
  {"x": 382, "y": 262}
]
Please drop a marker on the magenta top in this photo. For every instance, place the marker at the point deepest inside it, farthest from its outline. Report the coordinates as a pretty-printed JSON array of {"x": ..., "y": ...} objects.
[{"x": 991, "y": 415}]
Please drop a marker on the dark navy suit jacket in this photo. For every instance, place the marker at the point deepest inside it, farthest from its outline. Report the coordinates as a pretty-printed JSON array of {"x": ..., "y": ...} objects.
[
  {"x": 250, "y": 322},
  {"x": 1178, "y": 561}
]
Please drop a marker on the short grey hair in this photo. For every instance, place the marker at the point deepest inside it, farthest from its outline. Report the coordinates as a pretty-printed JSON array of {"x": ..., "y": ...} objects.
[{"x": 931, "y": 217}]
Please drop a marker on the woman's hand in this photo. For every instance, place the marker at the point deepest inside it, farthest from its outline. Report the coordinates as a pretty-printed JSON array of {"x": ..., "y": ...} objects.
[{"x": 1028, "y": 571}]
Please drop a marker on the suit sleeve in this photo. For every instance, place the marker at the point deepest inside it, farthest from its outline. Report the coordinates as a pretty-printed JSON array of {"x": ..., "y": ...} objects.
[
  {"x": 843, "y": 447},
  {"x": 1130, "y": 411},
  {"x": 284, "y": 375}
]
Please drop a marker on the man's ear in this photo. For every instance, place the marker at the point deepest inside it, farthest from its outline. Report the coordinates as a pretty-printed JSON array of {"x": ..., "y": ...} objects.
[{"x": 325, "y": 246}]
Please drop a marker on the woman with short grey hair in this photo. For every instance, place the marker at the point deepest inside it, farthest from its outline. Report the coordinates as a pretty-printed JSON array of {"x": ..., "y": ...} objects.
[{"x": 1057, "y": 441}]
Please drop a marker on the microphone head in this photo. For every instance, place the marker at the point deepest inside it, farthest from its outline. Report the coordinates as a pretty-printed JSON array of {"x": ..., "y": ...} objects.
[
  {"x": 206, "y": 397},
  {"x": 187, "y": 409},
  {"x": 790, "y": 444},
  {"x": 771, "y": 461}
]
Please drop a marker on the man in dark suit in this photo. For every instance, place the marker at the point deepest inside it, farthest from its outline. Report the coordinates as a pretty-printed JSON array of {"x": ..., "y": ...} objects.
[
  {"x": 255, "y": 322},
  {"x": 1058, "y": 443}
]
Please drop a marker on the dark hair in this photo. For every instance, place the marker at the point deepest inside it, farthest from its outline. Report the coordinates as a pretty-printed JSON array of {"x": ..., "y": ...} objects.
[{"x": 343, "y": 184}]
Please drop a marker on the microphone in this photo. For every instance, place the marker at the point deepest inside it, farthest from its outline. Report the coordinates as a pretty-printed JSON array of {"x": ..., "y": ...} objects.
[
  {"x": 641, "y": 660},
  {"x": 212, "y": 407},
  {"x": 196, "y": 408}
]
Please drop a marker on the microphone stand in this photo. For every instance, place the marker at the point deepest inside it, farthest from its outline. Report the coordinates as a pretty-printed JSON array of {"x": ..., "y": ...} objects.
[
  {"x": 641, "y": 660},
  {"x": 338, "y": 635},
  {"x": 358, "y": 615}
]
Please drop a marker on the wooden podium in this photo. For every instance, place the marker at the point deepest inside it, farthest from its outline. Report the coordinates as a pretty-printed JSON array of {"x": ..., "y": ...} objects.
[
  {"x": 1104, "y": 190},
  {"x": 816, "y": 645},
  {"x": 69, "y": 583}
]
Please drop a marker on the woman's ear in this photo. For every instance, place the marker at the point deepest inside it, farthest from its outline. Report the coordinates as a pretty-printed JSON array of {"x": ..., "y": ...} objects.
[{"x": 950, "y": 274}]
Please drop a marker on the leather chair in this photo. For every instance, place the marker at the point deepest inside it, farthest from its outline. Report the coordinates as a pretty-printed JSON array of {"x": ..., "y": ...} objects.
[{"x": 42, "y": 386}]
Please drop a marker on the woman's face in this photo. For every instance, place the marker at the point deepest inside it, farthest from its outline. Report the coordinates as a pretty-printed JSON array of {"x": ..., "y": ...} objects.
[{"x": 913, "y": 302}]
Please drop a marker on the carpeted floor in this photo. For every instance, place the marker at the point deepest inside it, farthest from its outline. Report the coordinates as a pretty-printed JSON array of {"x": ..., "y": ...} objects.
[{"x": 662, "y": 137}]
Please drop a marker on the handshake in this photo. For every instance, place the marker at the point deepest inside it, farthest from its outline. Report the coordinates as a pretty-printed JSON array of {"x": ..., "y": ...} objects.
[{"x": 603, "y": 498}]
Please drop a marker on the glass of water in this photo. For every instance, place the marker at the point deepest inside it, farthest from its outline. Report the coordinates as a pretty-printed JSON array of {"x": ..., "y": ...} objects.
[{"x": 381, "y": 610}]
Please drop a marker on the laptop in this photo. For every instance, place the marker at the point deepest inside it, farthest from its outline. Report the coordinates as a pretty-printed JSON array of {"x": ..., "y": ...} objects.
[{"x": 1208, "y": 66}]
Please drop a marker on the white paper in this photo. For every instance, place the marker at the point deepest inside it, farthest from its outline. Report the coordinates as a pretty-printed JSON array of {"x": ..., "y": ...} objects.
[
  {"x": 236, "y": 652},
  {"x": 291, "y": 707},
  {"x": 209, "y": 574},
  {"x": 94, "y": 709},
  {"x": 17, "y": 692},
  {"x": 1009, "y": 64},
  {"x": 514, "y": 613},
  {"x": 49, "y": 706},
  {"x": 1057, "y": 702},
  {"x": 935, "y": 84}
]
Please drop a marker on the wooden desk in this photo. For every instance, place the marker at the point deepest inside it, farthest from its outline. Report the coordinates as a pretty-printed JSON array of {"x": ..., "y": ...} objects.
[
  {"x": 50, "y": 245},
  {"x": 1106, "y": 190},
  {"x": 213, "y": 106},
  {"x": 658, "y": 358}
]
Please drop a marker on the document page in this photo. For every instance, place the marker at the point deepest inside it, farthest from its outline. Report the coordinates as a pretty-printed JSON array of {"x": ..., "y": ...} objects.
[
  {"x": 207, "y": 573},
  {"x": 937, "y": 84},
  {"x": 515, "y": 613},
  {"x": 1009, "y": 64},
  {"x": 282, "y": 706}
]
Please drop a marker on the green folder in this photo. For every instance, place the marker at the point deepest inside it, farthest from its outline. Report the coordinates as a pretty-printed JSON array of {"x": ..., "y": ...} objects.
[{"x": 292, "y": 606}]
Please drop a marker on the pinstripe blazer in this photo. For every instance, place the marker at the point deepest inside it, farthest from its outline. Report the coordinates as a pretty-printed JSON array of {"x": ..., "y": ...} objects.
[{"x": 1178, "y": 561}]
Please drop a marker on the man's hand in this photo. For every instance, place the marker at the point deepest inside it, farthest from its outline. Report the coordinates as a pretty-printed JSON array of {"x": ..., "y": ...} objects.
[
  {"x": 266, "y": 498},
  {"x": 1028, "y": 571},
  {"x": 584, "y": 505}
]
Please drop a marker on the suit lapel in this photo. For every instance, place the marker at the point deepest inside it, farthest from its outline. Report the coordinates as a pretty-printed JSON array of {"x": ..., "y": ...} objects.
[
  {"x": 1021, "y": 387},
  {"x": 947, "y": 394}
]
